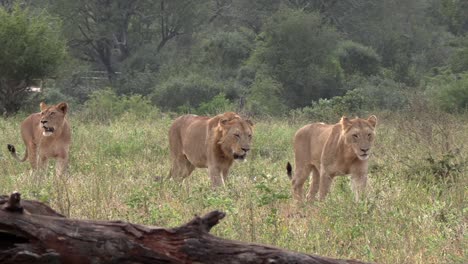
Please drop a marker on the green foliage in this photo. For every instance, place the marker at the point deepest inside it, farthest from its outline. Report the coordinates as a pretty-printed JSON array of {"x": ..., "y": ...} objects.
[
  {"x": 453, "y": 14},
  {"x": 266, "y": 195},
  {"x": 383, "y": 93},
  {"x": 219, "y": 104},
  {"x": 298, "y": 50},
  {"x": 356, "y": 58},
  {"x": 189, "y": 91},
  {"x": 105, "y": 106},
  {"x": 31, "y": 44},
  {"x": 227, "y": 49},
  {"x": 137, "y": 82},
  {"x": 446, "y": 167},
  {"x": 331, "y": 110},
  {"x": 31, "y": 48},
  {"x": 459, "y": 59},
  {"x": 449, "y": 91},
  {"x": 264, "y": 96}
]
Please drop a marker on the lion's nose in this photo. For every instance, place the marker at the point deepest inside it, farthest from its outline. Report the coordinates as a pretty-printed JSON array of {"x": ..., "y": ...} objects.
[
  {"x": 245, "y": 149},
  {"x": 364, "y": 149},
  {"x": 43, "y": 121}
]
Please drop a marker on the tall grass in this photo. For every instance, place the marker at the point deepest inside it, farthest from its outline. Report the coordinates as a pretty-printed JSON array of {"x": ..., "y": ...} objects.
[{"x": 411, "y": 213}]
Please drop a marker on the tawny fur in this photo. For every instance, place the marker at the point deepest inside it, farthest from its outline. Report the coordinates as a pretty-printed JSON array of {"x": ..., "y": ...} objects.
[
  {"x": 330, "y": 150},
  {"x": 42, "y": 144},
  {"x": 204, "y": 142}
]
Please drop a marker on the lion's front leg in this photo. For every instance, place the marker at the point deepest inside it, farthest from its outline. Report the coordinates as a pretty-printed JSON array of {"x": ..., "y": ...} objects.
[
  {"x": 358, "y": 185},
  {"x": 215, "y": 176},
  {"x": 225, "y": 175},
  {"x": 61, "y": 166}
]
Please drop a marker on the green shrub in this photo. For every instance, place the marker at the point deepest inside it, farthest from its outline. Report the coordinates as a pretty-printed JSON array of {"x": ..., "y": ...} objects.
[
  {"x": 298, "y": 50},
  {"x": 459, "y": 59},
  {"x": 105, "y": 105},
  {"x": 449, "y": 92},
  {"x": 380, "y": 93},
  {"x": 445, "y": 167},
  {"x": 187, "y": 92},
  {"x": 356, "y": 58},
  {"x": 219, "y": 104},
  {"x": 331, "y": 110},
  {"x": 136, "y": 82},
  {"x": 264, "y": 96},
  {"x": 227, "y": 48}
]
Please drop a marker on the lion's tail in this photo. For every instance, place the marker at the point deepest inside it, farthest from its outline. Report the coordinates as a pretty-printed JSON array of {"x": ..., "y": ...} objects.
[
  {"x": 12, "y": 150},
  {"x": 289, "y": 170}
]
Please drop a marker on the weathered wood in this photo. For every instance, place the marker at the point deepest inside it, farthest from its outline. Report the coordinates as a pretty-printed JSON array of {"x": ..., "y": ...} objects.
[{"x": 38, "y": 234}]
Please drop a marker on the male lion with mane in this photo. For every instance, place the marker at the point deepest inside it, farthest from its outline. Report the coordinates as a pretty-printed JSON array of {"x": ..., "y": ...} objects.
[
  {"x": 213, "y": 143},
  {"x": 46, "y": 135},
  {"x": 330, "y": 150}
]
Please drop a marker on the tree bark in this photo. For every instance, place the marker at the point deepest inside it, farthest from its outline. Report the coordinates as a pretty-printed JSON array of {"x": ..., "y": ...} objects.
[{"x": 32, "y": 232}]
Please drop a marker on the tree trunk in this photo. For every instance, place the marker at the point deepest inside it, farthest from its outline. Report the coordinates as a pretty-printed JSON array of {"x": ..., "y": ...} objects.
[{"x": 32, "y": 232}]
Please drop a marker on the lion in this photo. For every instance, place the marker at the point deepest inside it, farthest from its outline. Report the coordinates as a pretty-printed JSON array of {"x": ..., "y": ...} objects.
[
  {"x": 330, "y": 150},
  {"x": 213, "y": 143},
  {"x": 46, "y": 135}
]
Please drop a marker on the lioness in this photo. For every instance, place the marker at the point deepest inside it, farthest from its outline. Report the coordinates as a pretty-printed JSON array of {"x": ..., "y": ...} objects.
[
  {"x": 46, "y": 135},
  {"x": 213, "y": 143},
  {"x": 330, "y": 150}
]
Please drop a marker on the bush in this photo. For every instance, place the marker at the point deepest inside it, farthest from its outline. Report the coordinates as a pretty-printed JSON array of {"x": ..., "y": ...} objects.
[
  {"x": 380, "y": 93},
  {"x": 105, "y": 105},
  {"x": 135, "y": 82},
  {"x": 188, "y": 92},
  {"x": 449, "y": 92},
  {"x": 264, "y": 96},
  {"x": 227, "y": 48},
  {"x": 219, "y": 104},
  {"x": 459, "y": 59},
  {"x": 356, "y": 58},
  {"x": 31, "y": 48},
  {"x": 331, "y": 110},
  {"x": 297, "y": 48}
]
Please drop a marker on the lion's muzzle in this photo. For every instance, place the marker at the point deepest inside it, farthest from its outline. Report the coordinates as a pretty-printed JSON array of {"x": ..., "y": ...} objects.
[
  {"x": 241, "y": 156},
  {"x": 47, "y": 129},
  {"x": 365, "y": 153}
]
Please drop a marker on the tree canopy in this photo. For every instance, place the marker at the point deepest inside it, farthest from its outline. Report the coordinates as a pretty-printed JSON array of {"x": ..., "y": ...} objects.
[
  {"x": 262, "y": 56},
  {"x": 31, "y": 48}
]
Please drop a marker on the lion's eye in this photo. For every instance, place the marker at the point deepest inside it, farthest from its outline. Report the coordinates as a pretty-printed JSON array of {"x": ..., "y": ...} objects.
[
  {"x": 52, "y": 113},
  {"x": 250, "y": 136},
  {"x": 237, "y": 135},
  {"x": 355, "y": 136},
  {"x": 369, "y": 135}
]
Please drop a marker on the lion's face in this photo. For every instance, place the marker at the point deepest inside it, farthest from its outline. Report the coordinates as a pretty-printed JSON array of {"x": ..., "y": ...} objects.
[
  {"x": 52, "y": 118},
  {"x": 236, "y": 137},
  {"x": 359, "y": 135}
]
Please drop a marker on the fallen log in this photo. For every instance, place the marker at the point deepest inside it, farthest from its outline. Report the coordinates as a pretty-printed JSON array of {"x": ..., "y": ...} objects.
[{"x": 32, "y": 232}]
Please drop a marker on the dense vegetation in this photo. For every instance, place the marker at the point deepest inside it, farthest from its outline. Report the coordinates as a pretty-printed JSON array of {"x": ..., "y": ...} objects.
[
  {"x": 262, "y": 57},
  {"x": 127, "y": 68}
]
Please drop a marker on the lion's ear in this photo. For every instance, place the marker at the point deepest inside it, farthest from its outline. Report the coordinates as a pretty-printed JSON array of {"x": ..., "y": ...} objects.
[
  {"x": 63, "y": 107},
  {"x": 223, "y": 122},
  {"x": 345, "y": 123},
  {"x": 249, "y": 122},
  {"x": 43, "y": 106},
  {"x": 372, "y": 120}
]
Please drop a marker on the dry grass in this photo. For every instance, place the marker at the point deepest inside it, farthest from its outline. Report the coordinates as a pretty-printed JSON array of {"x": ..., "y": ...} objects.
[{"x": 411, "y": 214}]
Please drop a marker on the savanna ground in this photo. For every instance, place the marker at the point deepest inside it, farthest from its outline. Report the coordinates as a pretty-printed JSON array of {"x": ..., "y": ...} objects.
[{"x": 415, "y": 211}]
